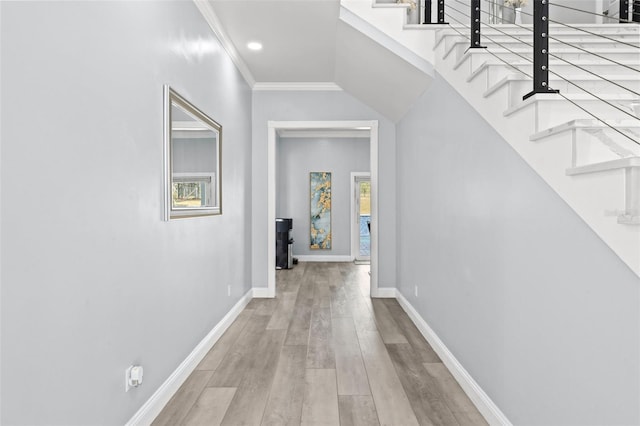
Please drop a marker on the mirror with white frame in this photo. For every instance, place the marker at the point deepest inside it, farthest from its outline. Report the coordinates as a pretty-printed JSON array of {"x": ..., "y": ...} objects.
[{"x": 192, "y": 157}]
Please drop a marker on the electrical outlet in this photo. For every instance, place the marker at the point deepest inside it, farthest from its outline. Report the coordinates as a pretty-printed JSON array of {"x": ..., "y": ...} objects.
[
  {"x": 229, "y": 290},
  {"x": 133, "y": 377},
  {"x": 415, "y": 290}
]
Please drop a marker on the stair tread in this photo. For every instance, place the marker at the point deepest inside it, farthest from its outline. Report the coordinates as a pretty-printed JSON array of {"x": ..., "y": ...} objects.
[
  {"x": 432, "y": 26},
  {"x": 621, "y": 163},
  {"x": 393, "y": 5}
]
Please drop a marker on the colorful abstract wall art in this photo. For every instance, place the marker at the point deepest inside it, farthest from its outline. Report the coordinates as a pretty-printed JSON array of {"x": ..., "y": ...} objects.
[{"x": 320, "y": 210}]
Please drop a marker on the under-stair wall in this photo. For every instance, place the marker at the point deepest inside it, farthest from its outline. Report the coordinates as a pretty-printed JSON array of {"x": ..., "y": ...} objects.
[{"x": 538, "y": 310}]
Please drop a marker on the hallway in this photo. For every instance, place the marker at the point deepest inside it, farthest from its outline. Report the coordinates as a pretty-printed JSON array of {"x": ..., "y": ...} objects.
[{"x": 322, "y": 352}]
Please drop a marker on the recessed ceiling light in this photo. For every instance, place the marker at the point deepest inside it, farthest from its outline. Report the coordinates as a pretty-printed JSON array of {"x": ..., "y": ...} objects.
[{"x": 254, "y": 45}]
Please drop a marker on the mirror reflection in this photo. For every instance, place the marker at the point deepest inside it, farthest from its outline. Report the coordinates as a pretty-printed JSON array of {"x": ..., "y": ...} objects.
[{"x": 192, "y": 153}]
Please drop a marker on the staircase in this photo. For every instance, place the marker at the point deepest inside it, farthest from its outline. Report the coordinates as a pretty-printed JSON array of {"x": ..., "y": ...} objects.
[{"x": 593, "y": 165}]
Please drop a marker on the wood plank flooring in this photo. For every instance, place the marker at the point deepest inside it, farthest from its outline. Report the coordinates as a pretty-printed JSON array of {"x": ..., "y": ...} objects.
[{"x": 321, "y": 353}]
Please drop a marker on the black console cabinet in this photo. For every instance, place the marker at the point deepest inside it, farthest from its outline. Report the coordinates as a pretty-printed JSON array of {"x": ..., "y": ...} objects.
[{"x": 284, "y": 243}]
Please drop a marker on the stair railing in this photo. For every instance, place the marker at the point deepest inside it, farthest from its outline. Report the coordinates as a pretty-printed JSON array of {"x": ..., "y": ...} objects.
[
  {"x": 541, "y": 54},
  {"x": 428, "y": 11}
]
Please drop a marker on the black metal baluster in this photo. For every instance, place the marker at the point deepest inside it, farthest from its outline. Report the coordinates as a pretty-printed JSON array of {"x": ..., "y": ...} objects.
[
  {"x": 540, "y": 49},
  {"x": 427, "y": 12},
  {"x": 441, "y": 12},
  {"x": 635, "y": 12},
  {"x": 475, "y": 25},
  {"x": 624, "y": 11}
]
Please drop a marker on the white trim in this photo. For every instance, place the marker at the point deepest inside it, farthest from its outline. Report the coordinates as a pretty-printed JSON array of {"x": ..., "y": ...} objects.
[
  {"x": 391, "y": 5},
  {"x": 216, "y": 26},
  {"x": 271, "y": 209},
  {"x": 480, "y": 399},
  {"x": 272, "y": 129},
  {"x": 373, "y": 170},
  {"x": 324, "y": 258},
  {"x": 263, "y": 293},
  {"x": 385, "y": 293},
  {"x": 295, "y": 86},
  {"x": 328, "y": 133},
  {"x": 354, "y": 230},
  {"x": 154, "y": 405}
]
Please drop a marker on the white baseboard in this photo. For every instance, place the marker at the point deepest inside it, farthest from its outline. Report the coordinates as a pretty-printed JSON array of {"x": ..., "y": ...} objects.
[
  {"x": 154, "y": 405},
  {"x": 324, "y": 258},
  {"x": 385, "y": 293},
  {"x": 480, "y": 399},
  {"x": 263, "y": 293}
]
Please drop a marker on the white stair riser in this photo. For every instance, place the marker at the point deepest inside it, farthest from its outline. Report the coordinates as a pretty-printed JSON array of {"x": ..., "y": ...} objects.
[
  {"x": 494, "y": 73},
  {"x": 461, "y": 44},
  {"x": 478, "y": 57},
  {"x": 555, "y": 48},
  {"x": 556, "y": 37},
  {"x": 605, "y": 145},
  {"x": 517, "y": 89},
  {"x": 551, "y": 113},
  {"x": 632, "y": 193},
  {"x": 625, "y": 57},
  {"x": 588, "y": 149},
  {"x": 570, "y": 35},
  {"x": 584, "y": 43}
]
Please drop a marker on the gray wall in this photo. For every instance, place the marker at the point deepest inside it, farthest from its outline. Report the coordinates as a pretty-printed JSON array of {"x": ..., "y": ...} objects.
[
  {"x": 194, "y": 155},
  {"x": 316, "y": 105},
  {"x": 542, "y": 314},
  {"x": 92, "y": 279},
  {"x": 296, "y": 159}
]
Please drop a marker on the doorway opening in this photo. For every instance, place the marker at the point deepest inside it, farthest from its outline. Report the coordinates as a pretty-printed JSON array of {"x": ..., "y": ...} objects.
[
  {"x": 361, "y": 217},
  {"x": 274, "y": 129}
]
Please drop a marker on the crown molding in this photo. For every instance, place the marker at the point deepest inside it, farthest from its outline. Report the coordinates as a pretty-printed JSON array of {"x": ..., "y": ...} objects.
[
  {"x": 216, "y": 26},
  {"x": 295, "y": 86}
]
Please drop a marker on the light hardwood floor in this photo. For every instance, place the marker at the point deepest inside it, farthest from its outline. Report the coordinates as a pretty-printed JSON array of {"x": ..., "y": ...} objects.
[{"x": 321, "y": 353}]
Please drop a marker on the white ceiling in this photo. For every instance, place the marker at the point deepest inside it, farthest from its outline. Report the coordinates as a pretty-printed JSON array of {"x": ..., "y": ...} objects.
[
  {"x": 298, "y": 37},
  {"x": 306, "y": 42}
]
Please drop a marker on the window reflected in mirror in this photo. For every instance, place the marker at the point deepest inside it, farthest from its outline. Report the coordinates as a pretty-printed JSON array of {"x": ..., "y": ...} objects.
[{"x": 192, "y": 159}]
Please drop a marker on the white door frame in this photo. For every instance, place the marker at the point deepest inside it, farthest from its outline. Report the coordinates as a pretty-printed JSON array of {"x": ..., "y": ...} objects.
[
  {"x": 273, "y": 127},
  {"x": 355, "y": 240}
]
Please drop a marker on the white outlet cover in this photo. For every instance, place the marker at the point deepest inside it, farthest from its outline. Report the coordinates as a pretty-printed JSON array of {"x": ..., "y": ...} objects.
[{"x": 132, "y": 377}]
